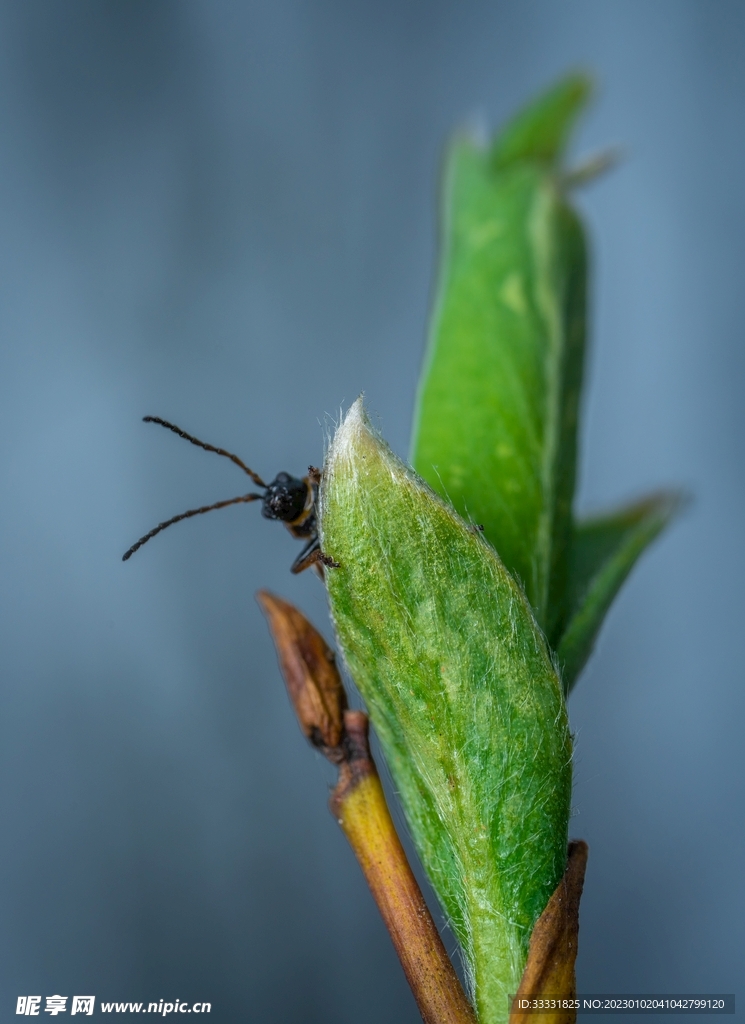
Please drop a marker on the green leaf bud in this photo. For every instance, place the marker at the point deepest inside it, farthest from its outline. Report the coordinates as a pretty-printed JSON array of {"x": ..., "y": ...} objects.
[{"x": 462, "y": 691}]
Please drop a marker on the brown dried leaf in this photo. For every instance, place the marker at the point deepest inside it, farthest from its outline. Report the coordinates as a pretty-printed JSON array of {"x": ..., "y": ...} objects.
[
  {"x": 309, "y": 668},
  {"x": 553, "y": 946}
]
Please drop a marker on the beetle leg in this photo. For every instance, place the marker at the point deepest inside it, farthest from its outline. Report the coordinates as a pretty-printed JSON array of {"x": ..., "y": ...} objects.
[{"x": 312, "y": 555}]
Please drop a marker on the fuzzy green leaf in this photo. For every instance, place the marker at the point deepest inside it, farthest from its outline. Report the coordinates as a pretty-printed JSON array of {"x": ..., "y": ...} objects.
[
  {"x": 496, "y": 421},
  {"x": 463, "y": 694},
  {"x": 604, "y": 552}
]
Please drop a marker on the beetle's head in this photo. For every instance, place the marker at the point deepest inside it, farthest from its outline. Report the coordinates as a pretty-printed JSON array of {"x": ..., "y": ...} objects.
[{"x": 285, "y": 498}]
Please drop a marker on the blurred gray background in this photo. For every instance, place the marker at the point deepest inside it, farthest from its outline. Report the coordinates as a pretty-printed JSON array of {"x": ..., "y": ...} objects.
[{"x": 223, "y": 213}]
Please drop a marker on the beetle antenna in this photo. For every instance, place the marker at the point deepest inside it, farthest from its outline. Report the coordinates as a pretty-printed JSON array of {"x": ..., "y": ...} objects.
[
  {"x": 188, "y": 515},
  {"x": 207, "y": 447}
]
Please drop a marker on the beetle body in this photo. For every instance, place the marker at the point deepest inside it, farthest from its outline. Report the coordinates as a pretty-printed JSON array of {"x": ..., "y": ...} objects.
[
  {"x": 293, "y": 501},
  {"x": 289, "y": 499}
]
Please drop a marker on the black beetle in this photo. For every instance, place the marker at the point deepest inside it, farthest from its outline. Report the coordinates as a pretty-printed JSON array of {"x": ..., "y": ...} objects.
[{"x": 287, "y": 498}]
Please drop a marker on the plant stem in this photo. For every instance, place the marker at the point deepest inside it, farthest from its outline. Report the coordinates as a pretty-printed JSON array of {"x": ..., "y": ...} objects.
[{"x": 359, "y": 804}]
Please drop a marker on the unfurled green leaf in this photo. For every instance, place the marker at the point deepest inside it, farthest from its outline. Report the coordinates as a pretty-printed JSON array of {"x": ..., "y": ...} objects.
[
  {"x": 496, "y": 423},
  {"x": 604, "y": 552},
  {"x": 463, "y": 694},
  {"x": 540, "y": 131},
  {"x": 443, "y": 628}
]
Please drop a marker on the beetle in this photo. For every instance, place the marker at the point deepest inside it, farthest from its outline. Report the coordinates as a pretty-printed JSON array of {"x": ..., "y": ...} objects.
[{"x": 290, "y": 499}]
